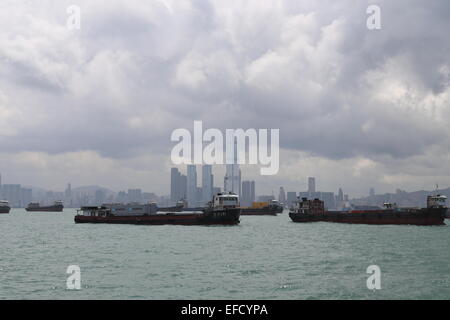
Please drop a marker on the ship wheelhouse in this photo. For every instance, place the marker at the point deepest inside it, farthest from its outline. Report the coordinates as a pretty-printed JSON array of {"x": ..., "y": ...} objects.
[
  {"x": 437, "y": 201},
  {"x": 223, "y": 201}
]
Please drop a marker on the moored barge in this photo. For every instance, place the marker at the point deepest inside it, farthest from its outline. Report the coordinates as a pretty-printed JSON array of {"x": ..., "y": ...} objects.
[
  {"x": 57, "y": 206},
  {"x": 222, "y": 210},
  {"x": 270, "y": 208},
  {"x": 314, "y": 211}
]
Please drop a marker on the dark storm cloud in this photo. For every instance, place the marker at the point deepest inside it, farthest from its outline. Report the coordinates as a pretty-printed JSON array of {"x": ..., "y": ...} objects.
[{"x": 136, "y": 71}]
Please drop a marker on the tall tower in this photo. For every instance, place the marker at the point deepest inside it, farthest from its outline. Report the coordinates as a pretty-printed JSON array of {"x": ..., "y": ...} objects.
[
  {"x": 175, "y": 184},
  {"x": 311, "y": 185},
  {"x": 282, "y": 196},
  {"x": 191, "y": 185},
  {"x": 207, "y": 183},
  {"x": 232, "y": 180}
]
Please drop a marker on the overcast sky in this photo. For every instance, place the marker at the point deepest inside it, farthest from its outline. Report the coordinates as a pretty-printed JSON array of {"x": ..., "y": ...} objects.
[{"x": 355, "y": 108}]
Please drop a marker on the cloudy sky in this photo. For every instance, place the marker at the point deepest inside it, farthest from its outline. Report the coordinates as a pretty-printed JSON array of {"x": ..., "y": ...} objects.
[{"x": 356, "y": 108}]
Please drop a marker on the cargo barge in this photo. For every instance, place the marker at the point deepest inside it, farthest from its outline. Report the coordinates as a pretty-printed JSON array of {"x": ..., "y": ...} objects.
[
  {"x": 222, "y": 210},
  {"x": 271, "y": 208},
  {"x": 57, "y": 206},
  {"x": 314, "y": 211},
  {"x": 4, "y": 207}
]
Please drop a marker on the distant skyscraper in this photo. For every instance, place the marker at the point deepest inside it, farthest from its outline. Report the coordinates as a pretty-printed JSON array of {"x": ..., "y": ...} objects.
[
  {"x": 311, "y": 185},
  {"x": 248, "y": 193},
  {"x": 175, "y": 191},
  {"x": 68, "y": 192},
  {"x": 372, "y": 192},
  {"x": 291, "y": 198},
  {"x": 177, "y": 185},
  {"x": 192, "y": 185},
  {"x": 340, "y": 196},
  {"x": 282, "y": 196},
  {"x": 232, "y": 179},
  {"x": 207, "y": 183}
]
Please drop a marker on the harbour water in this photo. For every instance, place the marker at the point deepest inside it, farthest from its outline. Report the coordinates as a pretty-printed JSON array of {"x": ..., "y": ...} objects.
[{"x": 265, "y": 257}]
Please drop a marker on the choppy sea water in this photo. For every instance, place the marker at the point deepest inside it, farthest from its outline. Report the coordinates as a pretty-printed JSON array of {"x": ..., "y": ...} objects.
[{"x": 262, "y": 258}]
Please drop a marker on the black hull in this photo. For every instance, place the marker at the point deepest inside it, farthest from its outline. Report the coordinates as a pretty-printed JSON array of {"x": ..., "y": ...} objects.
[
  {"x": 261, "y": 211},
  {"x": 5, "y": 210},
  {"x": 217, "y": 217},
  {"x": 422, "y": 217},
  {"x": 46, "y": 209}
]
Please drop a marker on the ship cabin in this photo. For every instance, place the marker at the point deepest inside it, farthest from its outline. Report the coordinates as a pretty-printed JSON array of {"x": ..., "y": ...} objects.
[
  {"x": 225, "y": 200},
  {"x": 94, "y": 212},
  {"x": 437, "y": 201},
  {"x": 4, "y": 203},
  {"x": 306, "y": 206},
  {"x": 274, "y": 203}
]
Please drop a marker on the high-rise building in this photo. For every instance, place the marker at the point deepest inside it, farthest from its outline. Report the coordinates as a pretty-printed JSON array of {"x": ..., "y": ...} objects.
[
  {"x": 135, "y": 195},
  {"x": 232, "y": 179},
  {"x": 372, "y": 192},
  {"x": 207, "y": 183},
  {"x": 248, "y": 193},
  {"x": 282, "y": 196},
  {"x": 311, "y": 185},
  {"x": 177, "y": 185},
  {"x": 192, "y": 185},
  {"x": 68, "y": 191},
  {"x": 340, "y": 196},
  {"x": 291, "y": 198}
]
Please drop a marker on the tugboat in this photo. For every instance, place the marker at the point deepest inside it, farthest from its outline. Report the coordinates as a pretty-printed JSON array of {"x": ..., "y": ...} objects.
[
  {"x": 314, "y": 211},
  {"x": 4, "y": 206},
  {"x": 271, "y": 208},
  {"x": 222, "y": 210},
  {"x": 57, "y": 206}
]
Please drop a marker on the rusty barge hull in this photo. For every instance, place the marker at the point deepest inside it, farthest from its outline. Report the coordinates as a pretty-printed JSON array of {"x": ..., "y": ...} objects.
[
  {"x": 225, "y": 217},
  {"x": 421, "y": 217}
]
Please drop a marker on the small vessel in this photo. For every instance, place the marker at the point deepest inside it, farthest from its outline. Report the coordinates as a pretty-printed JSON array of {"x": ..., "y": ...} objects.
[
  {"x": 57, "y": 206},
  {"x": 222, "y": 210},
  {"x": 4, "y": 206},
  {"x": 271, "y": 208},
  {"x": 314, "y": 211}
]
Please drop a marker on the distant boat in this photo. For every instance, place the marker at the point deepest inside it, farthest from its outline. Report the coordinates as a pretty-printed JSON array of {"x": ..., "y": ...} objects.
[
  {"x": 57, "y": 206},
  {"x": 4, "y": 206},
  {"x": 266, "y": 208}
]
